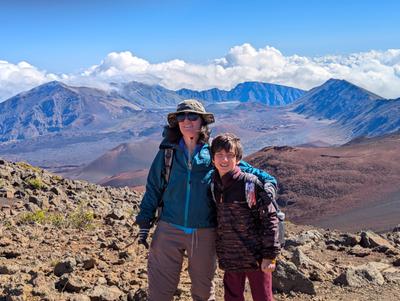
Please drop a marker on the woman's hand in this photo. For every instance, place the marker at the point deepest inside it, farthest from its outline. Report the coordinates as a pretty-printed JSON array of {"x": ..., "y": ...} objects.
[{"x": 268, "y": 265}]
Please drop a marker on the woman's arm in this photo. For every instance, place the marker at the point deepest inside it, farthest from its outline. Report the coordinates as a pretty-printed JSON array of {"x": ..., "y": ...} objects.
[
  {"x": 263, "y": 176},
  {"x": 153, "y": 194}
]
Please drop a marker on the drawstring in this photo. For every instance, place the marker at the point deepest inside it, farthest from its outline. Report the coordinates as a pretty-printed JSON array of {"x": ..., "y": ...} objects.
[{"x": 195, "y": 242}]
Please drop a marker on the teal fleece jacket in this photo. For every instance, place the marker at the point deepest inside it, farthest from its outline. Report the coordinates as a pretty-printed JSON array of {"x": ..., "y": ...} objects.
[{"x": 186, "y": 199}]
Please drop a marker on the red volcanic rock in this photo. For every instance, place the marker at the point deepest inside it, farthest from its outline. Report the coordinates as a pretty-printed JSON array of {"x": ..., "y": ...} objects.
[{"x": 352, "y": 187}]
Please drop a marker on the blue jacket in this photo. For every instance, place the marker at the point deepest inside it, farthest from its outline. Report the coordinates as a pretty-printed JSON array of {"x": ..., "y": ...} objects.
[{"x": 186, "y": 199}]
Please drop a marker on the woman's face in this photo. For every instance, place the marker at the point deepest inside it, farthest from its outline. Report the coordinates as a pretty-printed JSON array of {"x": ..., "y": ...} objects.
[{"x": 190, "y": 128}]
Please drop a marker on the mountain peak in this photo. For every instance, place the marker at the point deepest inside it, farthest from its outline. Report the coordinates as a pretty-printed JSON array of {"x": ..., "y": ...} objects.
[
  {"x": 342, "y": 85},
  {"x": 351, "y": 107},
  {"x": 52, "y": 84},
  {"x": 336, "y": 80}
]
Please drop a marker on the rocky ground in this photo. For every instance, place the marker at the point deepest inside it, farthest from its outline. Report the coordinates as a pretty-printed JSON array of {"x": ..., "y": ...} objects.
[{"x": 71, "y": 240}]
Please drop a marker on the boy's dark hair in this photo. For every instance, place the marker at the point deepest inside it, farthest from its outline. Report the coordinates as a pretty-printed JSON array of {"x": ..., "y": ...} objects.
[
  {"x": 228, "y": 142},
  {"x": 173, "y": 133}
]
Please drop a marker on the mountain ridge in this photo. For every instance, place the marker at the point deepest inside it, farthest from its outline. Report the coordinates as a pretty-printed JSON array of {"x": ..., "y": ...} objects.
[
  {"x": 356, "y": 109},
  {"x": 266, "y": 93},
  {"x": 55, "y": 107}
]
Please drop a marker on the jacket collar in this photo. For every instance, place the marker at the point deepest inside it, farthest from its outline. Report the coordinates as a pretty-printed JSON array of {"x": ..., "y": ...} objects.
[{"x": 227, "y": 179}]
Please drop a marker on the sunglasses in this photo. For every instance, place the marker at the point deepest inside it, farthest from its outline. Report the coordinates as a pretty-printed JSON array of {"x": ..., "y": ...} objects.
[{"x": 180, "y": 117}]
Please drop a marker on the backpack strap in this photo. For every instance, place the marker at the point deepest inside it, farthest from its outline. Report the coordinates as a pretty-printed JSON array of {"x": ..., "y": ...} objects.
[
  {"x": 250, "y": 189},
  {"x": 250, "y": 194},
  {"x": 166, "y": 173},
  {"x": 212, "y": 187},
  {"x": 251, "y": 198},
  {"x": 168, "y": 157}
]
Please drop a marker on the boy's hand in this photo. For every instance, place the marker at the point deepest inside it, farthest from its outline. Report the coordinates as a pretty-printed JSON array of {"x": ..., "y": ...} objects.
[
  {"x": 268, "y": 265},
  {"x": 270, "y": 190}
]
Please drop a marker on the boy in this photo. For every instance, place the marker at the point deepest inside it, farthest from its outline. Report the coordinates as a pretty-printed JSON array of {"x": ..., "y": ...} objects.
[{"x": 247, "y": 230}]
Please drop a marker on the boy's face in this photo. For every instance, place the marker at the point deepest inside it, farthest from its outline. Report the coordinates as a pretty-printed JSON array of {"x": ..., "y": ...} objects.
[{"x": 225, "y": 161}]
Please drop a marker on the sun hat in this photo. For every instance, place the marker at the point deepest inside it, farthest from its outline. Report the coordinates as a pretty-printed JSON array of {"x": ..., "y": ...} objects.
[{"x": 190, "y": 106}]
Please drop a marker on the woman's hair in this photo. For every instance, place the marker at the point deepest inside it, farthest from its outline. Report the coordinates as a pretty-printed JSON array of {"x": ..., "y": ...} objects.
[
  {"x": 229, "y": 143},
  {"x": 173, "y": 133}
]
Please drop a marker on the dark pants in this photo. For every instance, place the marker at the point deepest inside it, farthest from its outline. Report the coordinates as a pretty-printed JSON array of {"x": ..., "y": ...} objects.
[{"x": 260, "y": 284}]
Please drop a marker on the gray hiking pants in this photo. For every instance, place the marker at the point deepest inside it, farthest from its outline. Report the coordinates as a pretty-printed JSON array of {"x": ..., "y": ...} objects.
[{"x": 165, "y": 262}]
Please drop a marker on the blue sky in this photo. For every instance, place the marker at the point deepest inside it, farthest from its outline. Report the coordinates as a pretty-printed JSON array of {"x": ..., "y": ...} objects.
[
  {"x": 68, "y": 36},
  {"x": 199, "y": 44}
]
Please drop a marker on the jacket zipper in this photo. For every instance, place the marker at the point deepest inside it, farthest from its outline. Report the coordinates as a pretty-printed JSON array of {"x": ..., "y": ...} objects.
[{"x": 188, "y": 191}]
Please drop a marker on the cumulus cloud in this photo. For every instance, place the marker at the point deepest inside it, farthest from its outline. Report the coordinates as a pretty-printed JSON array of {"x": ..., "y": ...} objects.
[
  {"x": 376, "y": 71},
  {"x": 15, "y": 78}
]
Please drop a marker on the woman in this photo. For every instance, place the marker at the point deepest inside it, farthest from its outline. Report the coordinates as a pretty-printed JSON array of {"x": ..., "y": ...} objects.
[{"x": 188, "y": 219}]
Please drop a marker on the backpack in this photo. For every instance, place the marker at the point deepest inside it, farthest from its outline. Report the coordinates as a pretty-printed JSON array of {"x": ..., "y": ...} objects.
[{"x": 251, "y": 199}]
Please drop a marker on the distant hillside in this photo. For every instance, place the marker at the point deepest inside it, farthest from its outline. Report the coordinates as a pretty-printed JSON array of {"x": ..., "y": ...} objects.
[
  {"x": 56, "y": 107},
  {"x": 126, "y": 157},
  {"x": 265, "y": 93},
  {"x": 147, "y": 96},
  {"x": 358, "y": 110},
  {"x": 350, "y": 187},
  {"x": 62, "y": 127},
  {"x": 134, "y": 179}
]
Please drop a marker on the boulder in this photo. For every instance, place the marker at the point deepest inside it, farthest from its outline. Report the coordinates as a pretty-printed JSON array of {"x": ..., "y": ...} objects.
[
  {"x": 56, "y": 190},
  {"x": 105, "y": 293},
  {"x": 89, "y": 263},
  {"x": 360, "y": 276},
  {"x": 303, "y": 261},
  {"x": 287, "y": 278},
  {"x": 349, "y": 240},
  {"x": 8, "y": 269},
  {"x": 359, "y": 251},
  {"x": 42, "y": 287},
  {"x": 71, "y": 284},
  {"x": 116, "y": 214},
  {"x": 65, "y": 266},
  {"x": 370, "y": 239},
  {"x": 305, "y": 237},
  {"x": 138, "y": 295},
  {"x": 7, "y": 192}
]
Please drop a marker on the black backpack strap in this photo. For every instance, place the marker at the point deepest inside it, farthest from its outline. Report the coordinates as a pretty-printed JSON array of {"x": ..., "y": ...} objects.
[
  {"x": 212, "y": 187},
  {"x": 166, "y": 173},
  {"x": 168, "y": 158}
]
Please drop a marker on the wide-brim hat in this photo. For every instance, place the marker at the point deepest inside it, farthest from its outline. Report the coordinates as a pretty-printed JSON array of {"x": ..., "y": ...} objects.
[{"x": 190, "y": 106}]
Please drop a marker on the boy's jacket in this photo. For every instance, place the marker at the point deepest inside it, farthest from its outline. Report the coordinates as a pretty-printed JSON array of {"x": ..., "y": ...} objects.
[{"x": 246, "y": 233}]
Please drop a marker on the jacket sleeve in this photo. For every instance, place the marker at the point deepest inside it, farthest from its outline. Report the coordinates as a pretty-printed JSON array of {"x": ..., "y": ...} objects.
[
  {"x": 263, "y": 176},
  {"x": 153, "y": 194},
  {"x": 268, "y": 223}
]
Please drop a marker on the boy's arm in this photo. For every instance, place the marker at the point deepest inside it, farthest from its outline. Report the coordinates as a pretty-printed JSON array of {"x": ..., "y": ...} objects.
[
  {"x": 269, "y": 223},
  {"x": 153, "y": 194},
  {"x": 263, "y": 176}
]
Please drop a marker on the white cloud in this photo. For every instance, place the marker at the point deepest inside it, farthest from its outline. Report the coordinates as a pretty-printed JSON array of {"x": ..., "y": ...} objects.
[
  {"x": 15, "y": 78},
  {"x": 376, "y": 71}
]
